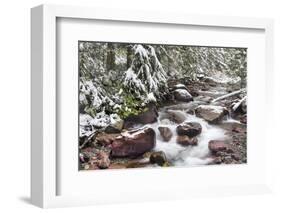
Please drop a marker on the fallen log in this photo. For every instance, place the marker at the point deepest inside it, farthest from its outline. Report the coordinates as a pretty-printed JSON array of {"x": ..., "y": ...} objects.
[{"x": 229, "y": 95}]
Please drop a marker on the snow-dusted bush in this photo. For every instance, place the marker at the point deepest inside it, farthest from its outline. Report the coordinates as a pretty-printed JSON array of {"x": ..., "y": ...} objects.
[{"x": 145, "y": 75}]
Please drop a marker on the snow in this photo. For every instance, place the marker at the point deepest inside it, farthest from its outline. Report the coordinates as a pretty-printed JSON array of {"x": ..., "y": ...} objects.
[
  {"x": 120, "y": 91},
  {"x": 222, "y": 78},
  {"x": 134, "y": 133},
  {"x": 120, "y": 59},
  {"x": 229, "y": 95},
  {"x": 85, "y": 119},
  {"x": 114, "y": 118},
  {"x": 180, "y": 86},
  {"x": 132, "y": 80},
  {"x": 183, "y": 92},
  {"x": 86, "y": 128},
  {"x": 146, "y": 74},
  {"x": 88, "y": 88},
  {"x": 235, "y": 106},
  {"x": 141, "y": 51},
  {"x": 150, "y": 98},
  {"x": 101, "y": 120},
  {"x": 213, "y": 108}
]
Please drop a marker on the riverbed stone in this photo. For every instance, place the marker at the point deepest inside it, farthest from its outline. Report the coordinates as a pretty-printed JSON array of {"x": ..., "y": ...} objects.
[
  {"x": 216, "y": 146},
  {"x": 103, "y": 160},
  {"x": 133, "y": 143},
  {"x": 212, "y": 114},
  {"x": 158, "y": 158},
  {"x": 166, "y": 133},
  {"x": 191, "y": 129},
  {"x": 184, "y": 140},
  {"x": 243, "y": 119},
  {"x": 182, "y": 95},
  {"x": 105, "y": 139}
]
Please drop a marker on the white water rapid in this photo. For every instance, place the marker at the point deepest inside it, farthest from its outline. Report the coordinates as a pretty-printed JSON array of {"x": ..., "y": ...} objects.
[{"x": 180, "y": 155}]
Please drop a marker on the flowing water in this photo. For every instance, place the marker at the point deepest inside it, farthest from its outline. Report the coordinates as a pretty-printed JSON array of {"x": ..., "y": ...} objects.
[{"x": 191, "y": 155}]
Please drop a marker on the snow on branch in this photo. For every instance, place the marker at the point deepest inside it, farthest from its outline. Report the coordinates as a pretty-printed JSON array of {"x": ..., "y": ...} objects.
[
  {"x": 235, "y": 106},
  {"x": 229, "y": 95}
]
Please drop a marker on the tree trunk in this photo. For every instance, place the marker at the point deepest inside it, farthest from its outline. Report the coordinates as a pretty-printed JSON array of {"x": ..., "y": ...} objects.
[
  {"x": 110, "y": 58},
  {"x": 129, "y": 56}
]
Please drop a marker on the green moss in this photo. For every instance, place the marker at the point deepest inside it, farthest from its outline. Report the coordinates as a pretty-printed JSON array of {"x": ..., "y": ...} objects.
[
  {"x": 90, "y": 110},
  {"x": 131, "y": 106}
]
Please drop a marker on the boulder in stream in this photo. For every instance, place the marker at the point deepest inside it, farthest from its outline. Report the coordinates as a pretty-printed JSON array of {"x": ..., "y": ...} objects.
[
  {"x": 158, "y": 158},
  {"x": 146, "y": 117},
  {"x": 133, "y": 143},
  {"x": 182, "y": 95},
  {"x": 105, "y": 139},
  {"x": 216, "y": 146},
  {"x": 166, "y": 133},
  {"x": 191, "y": 129},
  {"x": 211, "y": 113},
  {"x": 103, "y": 160},
  {"x": 184, "y": 140},
  {"x": 175, "y": 116}
]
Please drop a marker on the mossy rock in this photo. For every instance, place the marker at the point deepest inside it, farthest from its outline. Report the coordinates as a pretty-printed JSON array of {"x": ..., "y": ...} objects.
[{"x": 158, "y": 158}]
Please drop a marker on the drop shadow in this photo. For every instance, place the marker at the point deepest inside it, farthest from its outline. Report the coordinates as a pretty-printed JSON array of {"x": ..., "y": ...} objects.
[{"x": 25, "y": 199}]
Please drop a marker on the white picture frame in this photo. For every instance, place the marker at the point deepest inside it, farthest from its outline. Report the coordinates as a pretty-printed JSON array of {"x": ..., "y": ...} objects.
[{"x": 44, "y": 169}]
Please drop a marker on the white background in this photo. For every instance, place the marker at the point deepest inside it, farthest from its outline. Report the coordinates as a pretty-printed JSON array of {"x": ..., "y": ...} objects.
[{"x": 15, "y": 104}]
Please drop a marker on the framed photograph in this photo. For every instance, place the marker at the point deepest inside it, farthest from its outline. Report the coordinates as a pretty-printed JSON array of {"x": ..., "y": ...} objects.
[{"x": 130, "y": 106}]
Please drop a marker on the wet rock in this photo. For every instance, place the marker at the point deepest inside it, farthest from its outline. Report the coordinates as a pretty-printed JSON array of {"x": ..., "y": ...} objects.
[
  {"x": 182, "y": 95},
  {"x": 217, "y": 160},
  {"x": 103, "y": 160},
  {"x": 210, "y": 113},
  {"x": 158, "y": 158},
  {"x": 243, "y": 119},
  {"x": 175, "y": 116},
  {"x": 133, "y": 143},
  {"x": 184, "y": 140},
  {"x": 87, "y": 154},
  {"x": 111, "y": 129},
  {"x": 105, "y": 139},
  {"x": 146, "y": 117},
  {"x": 238, "y": 130},
  {"x": 191, "y": 129},
  {"x": 230, "y": 125},
  {"x": 166, "y": 133},
  {"x": 204, "y": 99},
  {"x": 228, "y": 160},
  {"x": 210, "y": 81},
  {"x": 83, "y": 157},
  {"x": 236, "y": 156},
  {"x": 183, "y": 106},
  {"x": 115, "y": 127},
  {"x": 216, "y": 146},
  {"x": 241, "y": 109}
]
